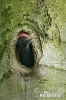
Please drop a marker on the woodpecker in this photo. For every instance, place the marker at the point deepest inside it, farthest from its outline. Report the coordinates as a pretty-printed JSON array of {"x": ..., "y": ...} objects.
[{"x": 24, "y": 44}]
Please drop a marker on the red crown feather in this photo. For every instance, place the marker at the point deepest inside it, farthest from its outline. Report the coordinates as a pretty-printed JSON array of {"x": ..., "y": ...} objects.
[{"x": 22, "y": 34}]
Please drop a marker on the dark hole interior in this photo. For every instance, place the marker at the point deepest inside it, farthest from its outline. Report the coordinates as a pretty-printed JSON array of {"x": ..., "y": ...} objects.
[{"x": 26, "y": 57}]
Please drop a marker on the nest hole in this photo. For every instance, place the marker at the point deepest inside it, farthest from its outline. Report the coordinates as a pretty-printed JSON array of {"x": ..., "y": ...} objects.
[{"x": 17, "y": 52}]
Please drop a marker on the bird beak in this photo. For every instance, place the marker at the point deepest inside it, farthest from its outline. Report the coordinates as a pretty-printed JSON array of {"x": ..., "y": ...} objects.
[{"x": 30, "y": 37}]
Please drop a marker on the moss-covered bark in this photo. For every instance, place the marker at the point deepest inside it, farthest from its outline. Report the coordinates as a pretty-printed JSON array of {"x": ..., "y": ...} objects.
[{"x": 47, "y": 20}]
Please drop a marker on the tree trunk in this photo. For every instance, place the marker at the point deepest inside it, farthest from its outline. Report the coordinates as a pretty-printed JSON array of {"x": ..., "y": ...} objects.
[{"x": 46, "y": 19}]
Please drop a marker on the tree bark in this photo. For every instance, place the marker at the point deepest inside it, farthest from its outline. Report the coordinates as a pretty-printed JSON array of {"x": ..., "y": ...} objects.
[{"x": 46, "y": 19}]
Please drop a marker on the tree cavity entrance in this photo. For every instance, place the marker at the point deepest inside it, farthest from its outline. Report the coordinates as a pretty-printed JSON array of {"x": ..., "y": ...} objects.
[{"x": 24, "y": 54}]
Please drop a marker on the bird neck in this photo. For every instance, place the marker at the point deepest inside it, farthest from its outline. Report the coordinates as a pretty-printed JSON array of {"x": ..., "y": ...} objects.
[{"x": 27, "y": 47}]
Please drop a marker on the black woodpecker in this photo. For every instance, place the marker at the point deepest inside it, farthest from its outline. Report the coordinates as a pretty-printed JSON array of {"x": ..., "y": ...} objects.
[{"x": 24, "y": 44}]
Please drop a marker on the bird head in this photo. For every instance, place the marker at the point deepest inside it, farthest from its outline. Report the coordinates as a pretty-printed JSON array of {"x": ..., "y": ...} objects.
[{"x": 25, "y": 39}]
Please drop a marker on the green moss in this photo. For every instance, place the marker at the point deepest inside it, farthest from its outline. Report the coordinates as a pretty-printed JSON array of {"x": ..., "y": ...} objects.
[
  {"x": 57, "y": 11},
  {"x": 36, "y": 15}
]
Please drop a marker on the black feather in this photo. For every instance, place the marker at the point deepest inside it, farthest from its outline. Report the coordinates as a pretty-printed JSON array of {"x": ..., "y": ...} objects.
[{"x": 26, "y": 55}]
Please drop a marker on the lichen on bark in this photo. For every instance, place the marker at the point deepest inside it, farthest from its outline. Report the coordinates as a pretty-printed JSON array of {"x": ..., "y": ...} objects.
[{"x": 45, "y": 19}]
